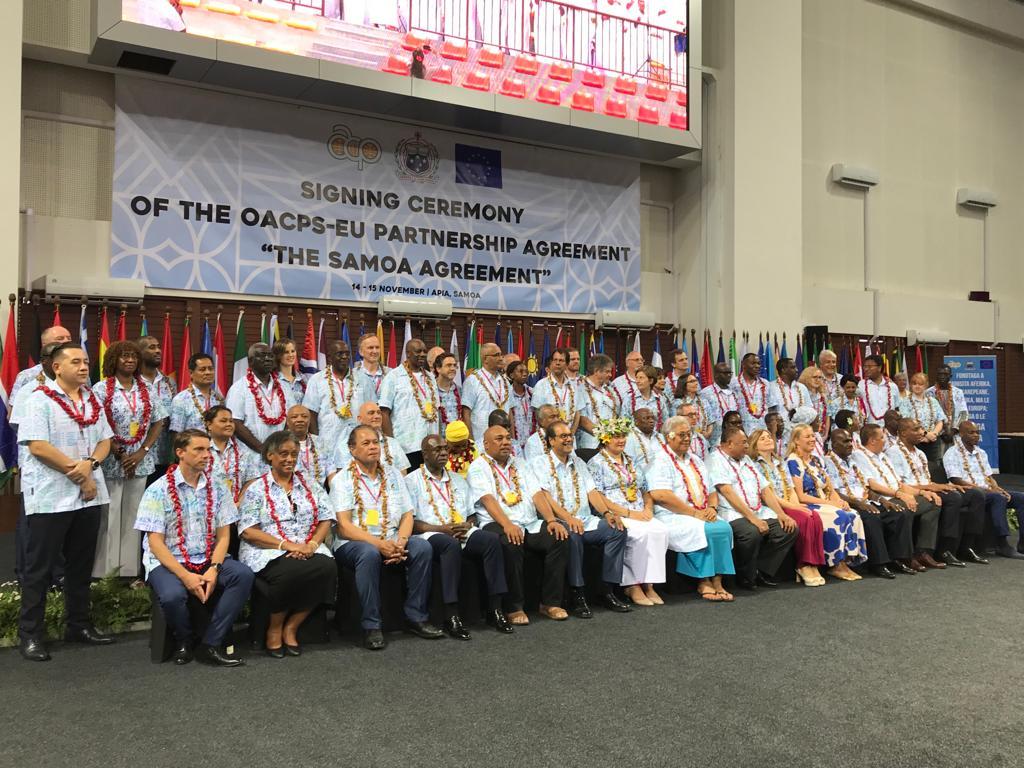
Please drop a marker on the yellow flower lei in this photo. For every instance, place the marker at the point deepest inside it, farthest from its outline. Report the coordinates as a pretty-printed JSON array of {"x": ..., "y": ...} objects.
[
  {"x": 558, "y": 483},
  {"x": 630, "y": 492},
  {"x": 429, "y": 409},
  {"x": 773, "y": 468},
  {"x": 433, "y": 504},
  {"x": 967, "y": 463},
  {"x": 570, "y": 395},
  {"x": 214, "y": 396},
  {"x": 511, "y": 498},
  {"x": 316, "y": 457},
  {"x": 345, "y": 412},
  {"x": 361, "y": 508},
  {"x": 913, "y": 464},
  {"x": 842, "y": 475}
]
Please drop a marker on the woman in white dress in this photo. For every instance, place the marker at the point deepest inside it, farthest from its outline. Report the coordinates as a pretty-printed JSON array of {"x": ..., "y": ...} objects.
[{"x": 624, "y": 489}]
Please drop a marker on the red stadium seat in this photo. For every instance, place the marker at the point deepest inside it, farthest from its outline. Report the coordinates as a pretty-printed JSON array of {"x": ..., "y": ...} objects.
[
  {"x": 490, "y": 57},
  {"x": 593, "y": 79},
  {"x": 625, "y": 84},
  {"x": 397, "y": 64},
  {"x": 526, "y": 65},
  {"x": 656, "y": 92},
  {"x": 583, "y": 100},
  {"x": 478, "y": 80},
  {"x": 548, "y": 94},
  {"x": 678, "y": 119},
  {"x": 454, "y": 50},
  {"x": 413, "y": 40},
  {"x": 561, "y": 72},
  {"x": 614, "y": 107},
  {"x": 645, "y": 113},
  {"x": 442, "y": 74},
  {"x": 514, "y": 87}
]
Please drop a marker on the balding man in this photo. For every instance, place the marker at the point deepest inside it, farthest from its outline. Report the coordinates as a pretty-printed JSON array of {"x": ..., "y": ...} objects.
[
  {"x": 966, "y": 464},
  {"x": 486, "y": 389},
  {"x": 314, "y": 459},
  {"x": 625, "y": 384},
  {"x": 391, "y": 453},
  {"x": 508, "y": 359},
  {"x": 644, "y": 441},
  {"x": 258, "y": 401},
  {"x": 52, "y": 336},
  {"x": 334, "y": 396},
  {"x": 408, "y": 400},
  {"x": 509, "y": 501},
  {"x": 432, "y": 355}
]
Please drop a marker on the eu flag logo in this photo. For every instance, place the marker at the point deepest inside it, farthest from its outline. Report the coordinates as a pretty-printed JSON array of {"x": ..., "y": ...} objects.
[{"x": 478, "y": 166}]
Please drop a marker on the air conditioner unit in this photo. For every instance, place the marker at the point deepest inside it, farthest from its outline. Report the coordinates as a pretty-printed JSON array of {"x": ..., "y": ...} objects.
[
  {"x": 402, "y": 307},
  {"x": 927, "y": 337},
  {"x": 854, "y": 176},
  {"x": 976, "y": 198},
  {"x": 77, "y": 286},
  {"x": 612, "y": 318}
]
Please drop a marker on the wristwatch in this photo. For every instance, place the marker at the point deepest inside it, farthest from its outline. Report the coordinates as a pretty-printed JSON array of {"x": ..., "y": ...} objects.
[
  {"x": 94, "y": 462},
  {"x": 216, "y": 566}
]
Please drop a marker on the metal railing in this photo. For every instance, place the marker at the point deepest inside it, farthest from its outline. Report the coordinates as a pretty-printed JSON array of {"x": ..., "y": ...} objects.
[{"x": 558, "y": 31}]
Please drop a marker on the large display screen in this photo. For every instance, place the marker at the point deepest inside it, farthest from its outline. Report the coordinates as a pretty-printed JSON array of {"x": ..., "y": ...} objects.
[{"x": 624, "y": 58}]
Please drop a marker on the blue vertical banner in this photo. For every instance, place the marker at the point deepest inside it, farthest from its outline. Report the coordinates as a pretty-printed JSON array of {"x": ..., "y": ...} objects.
[{"x": 976, "y": 376}]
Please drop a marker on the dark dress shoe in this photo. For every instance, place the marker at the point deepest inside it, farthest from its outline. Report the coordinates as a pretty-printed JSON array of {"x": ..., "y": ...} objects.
[
  {"x": 33, "y": 650},
  {"x": 209, "y": 654},
  {"x": 275, "y": 653},
  {"x": 901, "y": 567},
  {"x": 182, "y": 654},
  {"x": 926, "y": 559},
  {"x": 744, "y": 583},
  {"x": 952, "y": 560},
  {"x": 1005, "y": 550},
  {"x": 88, "y": 636},
  {"x": 612, "y": 603},
  {"x": 970, "y": 556},
  {"x": 500, "y": 622},
  {"x": 373, "y": 640},
  {"x": 765, "y": 580},
  {"x": 917, "y": 565},
  {"x": 455, "y": 628},
  {"x": 579, "y": 608},
  {"x": 423, "y": 629},
  {"x": 293, "y": 650},
  {"x": 884, "y": 573}
]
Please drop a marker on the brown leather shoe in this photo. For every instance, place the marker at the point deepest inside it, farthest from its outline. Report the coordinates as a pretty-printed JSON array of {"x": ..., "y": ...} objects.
[
  {"x": 930, "y": 561},
  {"x": 917, "y": 565}
]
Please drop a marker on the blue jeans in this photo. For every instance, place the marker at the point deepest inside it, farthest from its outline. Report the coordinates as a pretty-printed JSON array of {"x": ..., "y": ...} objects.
[
  {"x": 234, "y": 582},
  {"x": 365, "y": 559}
]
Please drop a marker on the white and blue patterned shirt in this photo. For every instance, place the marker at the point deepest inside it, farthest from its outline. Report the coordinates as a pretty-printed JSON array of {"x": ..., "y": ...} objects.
[
  {"x": 717, "y": 403},
  {"x": 746, "y": 480},
  {"x": 315, "y": 460},
  {"x": 663, "y": 476},
  {"x": 297, "y": 385},
  {"x": 957, "y": 410},
  {"x": 926, "y": 410},
  {"x": 46, "y": 490},
  {"x": 449, "y": 403},
  {"x": 761, "y": 395},
  {"x": 482, "y": 483},
  {"x": 597, "y": 404},
  {"x": 625, "y": 385},
  {"x": 370, "y": 383},
  {"x": 846, "y": 476},
  {"x": 243, "y": 405},
  {"x": 391, "y": 454},
  {"x": 878, "y": 398},
  {"x": 294, "y": 514},
  {"x": 126, "y": 406},
  {"x": 156, "y": 515},
  {"x": 408, "y": 422},
  {"x": 164, "y": 389},
  {"x": 643, "y": 450},
  {"x": 433, "y": 498},
  {"x": 481, "y": 394},
  {"x": 522, "y": 417},
  {"x": 567, "y": 499},
  {"x": 334, "y": 422},
  {"x": 23, "y": 378},
  {"x": 185, "y": 414},
  {"x": 564, "y": 397},
  {"x": 343, "y": 499},
  {"x": 610, "y": 478},
  {"x": 975, "y": 470},
  {"x": 236, "y": 461}
]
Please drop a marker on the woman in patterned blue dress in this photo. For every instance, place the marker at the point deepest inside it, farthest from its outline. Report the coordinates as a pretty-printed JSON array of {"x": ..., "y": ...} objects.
[{"x": 843, "y": 534}]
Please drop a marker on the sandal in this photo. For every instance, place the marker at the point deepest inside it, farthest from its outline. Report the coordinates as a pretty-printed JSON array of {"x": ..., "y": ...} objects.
[
  {"x": 725, "y": 597},
  {"x": 554, "y": 612},
  {"x": 518, "y": 618},
  {"x": 710, "y": 595}
]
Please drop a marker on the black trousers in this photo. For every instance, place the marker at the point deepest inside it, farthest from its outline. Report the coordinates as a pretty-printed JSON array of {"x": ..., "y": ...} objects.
[
  {"x": 962, "y": 518},
  {"x": 556, "y": 556},
  {"x": 889, "y": 535},
  {"x": 753, "y": 551},
  {"x": 484, "y": 546},
  {"x": 926, "y": 525},
  {"x": 73, "y": 535},
  {"x": 300, "y": 585}
]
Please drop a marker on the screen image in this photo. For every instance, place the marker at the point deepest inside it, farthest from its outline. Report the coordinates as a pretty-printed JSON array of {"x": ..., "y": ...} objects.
[{"x": 623, "y": 58}]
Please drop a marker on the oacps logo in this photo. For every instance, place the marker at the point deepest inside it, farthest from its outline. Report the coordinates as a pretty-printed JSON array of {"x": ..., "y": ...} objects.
[{"x": 342, "y": 145}]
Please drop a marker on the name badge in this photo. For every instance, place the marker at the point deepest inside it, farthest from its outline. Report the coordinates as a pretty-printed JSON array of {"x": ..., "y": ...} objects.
[{"x": 372, "y": 518}]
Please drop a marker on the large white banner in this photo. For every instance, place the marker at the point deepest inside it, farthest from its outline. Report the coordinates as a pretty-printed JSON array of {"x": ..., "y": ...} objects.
[{"x": 214, "y": 192}]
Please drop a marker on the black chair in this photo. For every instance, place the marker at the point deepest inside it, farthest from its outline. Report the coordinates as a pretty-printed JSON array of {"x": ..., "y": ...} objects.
[{"x": 161, "y": 639}]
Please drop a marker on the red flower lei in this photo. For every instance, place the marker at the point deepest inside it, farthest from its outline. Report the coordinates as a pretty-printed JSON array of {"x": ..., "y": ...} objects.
[
  {"x": 277, "y": 391},
  {"x": 689, "y": 491},
  {"x": 147, "y": 411},
  {"x": 79, "y": 419},
  {"x": 172, "y": 492},
  {"x": 751, "y": 408},
  {"x": 867, "y": 398},
  {"x": 444, "y": 411},
  {"x": 272, "y": 508},
  {"x": 456, "y": 462},
  {"x": 739, "y": 482}
]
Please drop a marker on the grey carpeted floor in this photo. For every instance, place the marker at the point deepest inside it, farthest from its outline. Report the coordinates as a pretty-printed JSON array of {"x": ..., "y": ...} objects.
[{"x": 923, "y": 671}]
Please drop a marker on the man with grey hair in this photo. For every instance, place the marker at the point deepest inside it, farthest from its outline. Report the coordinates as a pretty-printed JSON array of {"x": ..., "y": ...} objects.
[
  {"x": 827, "y": 362},
  {"x": 600, "y": 400},
  {"x": 485, "y": 390}
]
